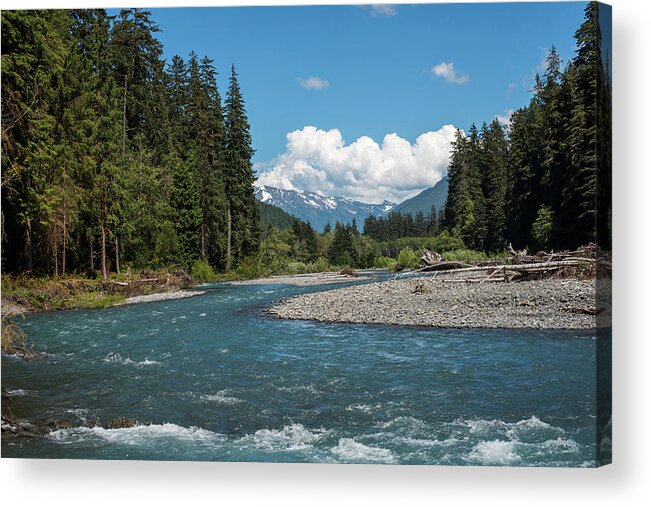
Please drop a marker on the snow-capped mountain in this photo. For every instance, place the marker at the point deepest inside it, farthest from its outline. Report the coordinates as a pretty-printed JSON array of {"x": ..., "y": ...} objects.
[{"x": 318, "y": 209}]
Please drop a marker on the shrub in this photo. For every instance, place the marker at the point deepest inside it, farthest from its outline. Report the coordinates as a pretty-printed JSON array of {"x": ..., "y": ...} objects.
[
  {"x": 203, "y": 272},
  {"x": 541, "y": 227},
  {"x": 249, "y": 268},
  {"x": 465, "y": 255},
  {"x": 319, "y": 266},
  {"x": 383, "y": 262},
  {"x": 296, "y": 267},
  {"x": 408, "y": 258},
  {"x": 443, "y": 242},
  {"x": 394, "y": 266}
]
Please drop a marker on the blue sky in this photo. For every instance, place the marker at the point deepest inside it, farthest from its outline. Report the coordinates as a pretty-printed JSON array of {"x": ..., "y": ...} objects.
[{"x": 378, "y": 67}]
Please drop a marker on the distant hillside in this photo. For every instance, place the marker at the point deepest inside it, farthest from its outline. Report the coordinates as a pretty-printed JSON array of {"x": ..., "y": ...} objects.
[
  {"x": 319, "y": 209},
  {"x": 436, "y": 195},
  {"x": 274, "y": 216}
]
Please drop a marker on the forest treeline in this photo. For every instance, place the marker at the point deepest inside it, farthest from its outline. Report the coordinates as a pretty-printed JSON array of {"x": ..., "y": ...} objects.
[
  {"x": 112, "y": 155},
  {"x": 546, "y": 181}
]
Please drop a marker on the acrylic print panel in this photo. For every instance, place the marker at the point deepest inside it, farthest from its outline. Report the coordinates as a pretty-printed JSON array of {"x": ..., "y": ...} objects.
[{"x": 332, "y": 234}]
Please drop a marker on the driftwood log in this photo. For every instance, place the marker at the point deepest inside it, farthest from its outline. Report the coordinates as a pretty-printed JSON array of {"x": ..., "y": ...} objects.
[{"x": 519, "y": 265}]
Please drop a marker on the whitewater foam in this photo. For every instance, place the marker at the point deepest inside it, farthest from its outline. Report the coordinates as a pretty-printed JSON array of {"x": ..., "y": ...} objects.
[
  {"x": 222, "y": 397},
  {"x": 17, "y": 392},
  {"x": 351, "y": 450},
  {"x": 138, "y": 435},
  {"x": 494, "y": 452},
  {"x": 114, "y": 357},
  {"x": 292, "y": 437}
]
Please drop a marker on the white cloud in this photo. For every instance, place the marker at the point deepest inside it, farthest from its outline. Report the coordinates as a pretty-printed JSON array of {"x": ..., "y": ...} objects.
[
  {"x": 384, "y": 10},
  {"x": 321, "y": 161},
  {"x": 313, "y": 83},
  {"x": 447, "y": 72},
  {"x": 509, "y": 90},
  {"x": 505, "y": 119}
]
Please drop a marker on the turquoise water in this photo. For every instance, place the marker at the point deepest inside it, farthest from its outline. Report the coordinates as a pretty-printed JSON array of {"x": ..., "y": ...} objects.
[{"x": 212, "y": 378}]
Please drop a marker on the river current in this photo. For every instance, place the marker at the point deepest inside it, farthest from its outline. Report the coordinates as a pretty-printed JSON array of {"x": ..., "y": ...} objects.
[{"x": 213, "y": 378}]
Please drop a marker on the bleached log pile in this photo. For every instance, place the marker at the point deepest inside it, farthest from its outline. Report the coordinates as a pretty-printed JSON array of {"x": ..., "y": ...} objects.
[{"x": 519, "y": 265}]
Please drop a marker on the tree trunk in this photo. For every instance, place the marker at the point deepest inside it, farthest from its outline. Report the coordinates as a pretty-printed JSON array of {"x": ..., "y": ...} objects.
[
  {"x": 124, "y": 119},
  {"x": 56, "y": 258},
  {"x": 28, "y": 246},
  {"x": 117, "y": 255},
  {"x": 203, "y": 239},
  {"x": 65, "y": 245},
  {"x": 230, "y": 238},
  {"x": 103, "y": 234},
  {"x": 92, "y": 257}
]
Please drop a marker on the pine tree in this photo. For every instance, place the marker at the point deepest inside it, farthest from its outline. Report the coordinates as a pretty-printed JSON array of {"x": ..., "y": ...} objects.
[
  {"x": 242, "y": 212},
  {"x": 494, "y": 161},
  {"x": 580, "y": 194}
]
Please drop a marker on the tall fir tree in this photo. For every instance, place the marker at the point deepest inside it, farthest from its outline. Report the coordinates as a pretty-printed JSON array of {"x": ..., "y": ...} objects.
[{"x": 242, "y": 214}]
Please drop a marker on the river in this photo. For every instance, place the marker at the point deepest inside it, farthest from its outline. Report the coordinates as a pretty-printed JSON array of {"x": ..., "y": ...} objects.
[{"x": 213, "y": 378}]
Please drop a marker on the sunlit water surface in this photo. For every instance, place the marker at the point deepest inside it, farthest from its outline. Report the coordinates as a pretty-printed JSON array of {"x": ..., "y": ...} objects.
[{"x": 212, "y": 378}]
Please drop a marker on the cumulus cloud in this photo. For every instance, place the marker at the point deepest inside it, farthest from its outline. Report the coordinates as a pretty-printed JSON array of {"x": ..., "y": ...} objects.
[
  {"x": 505, "y": 119},
  {"x": 384, "y": 10},
  {"x": 321, "y": 161},
  {"x": 313, "y": 83},
  {"x": 447, "y": 72}
]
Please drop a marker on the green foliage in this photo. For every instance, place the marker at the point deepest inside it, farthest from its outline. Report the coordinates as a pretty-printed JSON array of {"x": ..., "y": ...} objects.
[
  {"x": 555, "y": 163},
  {"x": 383, "y": 262},
  {"x": 321, "y": 265},
  {"x": 542, "y": 227},
  {"x": 465, "y": 255},
  {"x": 442, "y": 242},
  {"x": 110, "y": 158},
  {"x": 203, "y": 272},
  {"x": 273, "y": 217},
  {"x": 408, "y": 258}
]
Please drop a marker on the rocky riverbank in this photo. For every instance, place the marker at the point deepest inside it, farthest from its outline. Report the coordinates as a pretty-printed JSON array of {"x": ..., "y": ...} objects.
[
  {"x": 305, "y": 280},
  {"x": 430, "y": 301},
  {"x": 162, "y": 296}
]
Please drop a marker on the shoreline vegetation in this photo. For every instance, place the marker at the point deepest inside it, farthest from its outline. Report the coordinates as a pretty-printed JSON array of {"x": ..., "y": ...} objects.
[{"x": 131, "y": 169}]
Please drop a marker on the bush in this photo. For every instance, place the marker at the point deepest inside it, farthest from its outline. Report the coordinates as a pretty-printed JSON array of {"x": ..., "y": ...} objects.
[
  {"x": 203, "y": 272},
  {"x": 383, "y": 262},
  {"x": 249, "y": 268},
  {"x": 319, "y": 266},
  {"x": 393, "y": 266},
  {"x": 296, "y": 268},
  {"x": 465, "y": 255},
  {"x": 408, "y": 258},
  {"x": 542, "y": 227},
  {"x": 443, "y": 242}
]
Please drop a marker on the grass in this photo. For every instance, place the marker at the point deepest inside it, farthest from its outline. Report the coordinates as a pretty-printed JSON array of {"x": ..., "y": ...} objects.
[
  {"x": 466, "y": 255},
  {"x": 58, "y": 293},
  {"x": 13, "y": 337}
]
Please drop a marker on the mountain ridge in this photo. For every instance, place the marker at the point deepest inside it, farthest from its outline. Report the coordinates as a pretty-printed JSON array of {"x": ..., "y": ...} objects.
[{"x": 319, "y": 209}]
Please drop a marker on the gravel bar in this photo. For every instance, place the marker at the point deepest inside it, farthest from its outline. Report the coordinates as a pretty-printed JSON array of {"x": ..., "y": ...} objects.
[
  {"x": 304, "y": 280},
  {"x": 162, "y": 296},
  {"x": 539, "y": 304}
]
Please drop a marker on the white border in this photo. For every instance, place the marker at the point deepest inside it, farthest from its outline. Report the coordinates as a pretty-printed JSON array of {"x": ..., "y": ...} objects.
[{"x": 626, "y": 482}]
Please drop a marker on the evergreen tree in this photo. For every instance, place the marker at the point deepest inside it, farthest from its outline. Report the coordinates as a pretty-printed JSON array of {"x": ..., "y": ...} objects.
[
  {"x": 494, "y": 162},
  {"x": 242, "y": 212}
]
